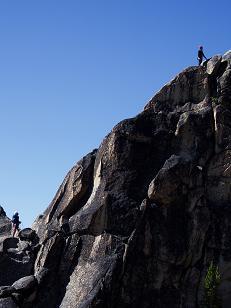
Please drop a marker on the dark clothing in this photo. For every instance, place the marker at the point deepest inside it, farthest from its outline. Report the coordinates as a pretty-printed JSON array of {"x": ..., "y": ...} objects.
[
  {"x": 16, "y": 223},
  {"x": 15, "y": 220},
  {"x": 201, "y": 56}
]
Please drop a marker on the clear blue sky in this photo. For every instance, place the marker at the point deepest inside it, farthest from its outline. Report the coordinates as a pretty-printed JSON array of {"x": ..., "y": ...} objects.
[{"x": 70, "y": 70}]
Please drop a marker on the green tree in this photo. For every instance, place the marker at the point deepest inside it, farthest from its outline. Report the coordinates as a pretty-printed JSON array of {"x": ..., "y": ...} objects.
[{"x": 211, "y": 284}]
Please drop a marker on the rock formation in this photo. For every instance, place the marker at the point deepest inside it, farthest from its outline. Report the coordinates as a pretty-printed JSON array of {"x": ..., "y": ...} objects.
[{"x": 137, "y": 222}]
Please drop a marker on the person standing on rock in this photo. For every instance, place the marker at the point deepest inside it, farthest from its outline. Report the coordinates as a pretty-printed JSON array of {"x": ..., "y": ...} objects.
[
  {"x": 200, "y": 55},
  {"x": 15, "y": 222}
]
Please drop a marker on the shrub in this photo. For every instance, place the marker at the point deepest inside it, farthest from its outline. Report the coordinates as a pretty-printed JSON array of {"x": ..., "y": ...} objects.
[{"x": 211, "y": 284}]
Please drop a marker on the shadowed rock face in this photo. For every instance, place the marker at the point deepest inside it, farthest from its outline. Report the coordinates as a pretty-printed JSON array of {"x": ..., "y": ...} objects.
[
  {"x": 137, "y": 222},
  {"x": 5, "y": 225}
]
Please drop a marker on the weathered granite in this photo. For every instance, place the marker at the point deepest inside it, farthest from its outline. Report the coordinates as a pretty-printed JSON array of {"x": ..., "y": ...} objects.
[{"x": 137, "y": 222}]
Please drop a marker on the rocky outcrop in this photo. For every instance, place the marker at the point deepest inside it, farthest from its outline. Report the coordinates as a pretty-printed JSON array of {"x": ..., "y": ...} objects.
[
  {"x": 5, "y": 225},
  {"x": 17, "y": 258},
  {"x": 137, "y": 222}
]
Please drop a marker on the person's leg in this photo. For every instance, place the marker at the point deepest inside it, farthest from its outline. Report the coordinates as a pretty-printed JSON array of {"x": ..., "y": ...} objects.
[
  {"x": 14, "y": 229},
  {"x": 200, "y": 61},
  {"x": 17, "y": 229}
]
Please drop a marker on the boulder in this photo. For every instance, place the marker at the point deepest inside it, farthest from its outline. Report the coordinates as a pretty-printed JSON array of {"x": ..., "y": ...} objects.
[
  {"x": 227, "y": 56},
  {"x": 11, "y": 242},
  {"x": 17, "y": 257},
  {"x": 27, "y": 234},
  {"x": 24, "y": 284},
  {"x": 213, "y": 65},
  {"x": 6, "y": 291},
  {"x": 7, "y": 303}
]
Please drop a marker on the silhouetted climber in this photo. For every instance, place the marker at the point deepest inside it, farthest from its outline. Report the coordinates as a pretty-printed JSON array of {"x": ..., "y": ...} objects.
[
  {"x": 15, "y": 222},
  {"x": 200, "y": 55}
]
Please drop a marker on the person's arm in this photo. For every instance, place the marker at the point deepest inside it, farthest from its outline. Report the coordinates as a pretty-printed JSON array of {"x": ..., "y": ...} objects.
[{"x": 204, "y": 56}]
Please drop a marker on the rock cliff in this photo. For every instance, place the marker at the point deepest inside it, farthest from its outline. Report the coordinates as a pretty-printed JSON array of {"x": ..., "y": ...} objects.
[{"x": 137, "y": 222}]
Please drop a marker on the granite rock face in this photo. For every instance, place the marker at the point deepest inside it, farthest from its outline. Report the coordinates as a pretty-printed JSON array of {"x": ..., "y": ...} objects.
[{"x": 137, "y": 222}]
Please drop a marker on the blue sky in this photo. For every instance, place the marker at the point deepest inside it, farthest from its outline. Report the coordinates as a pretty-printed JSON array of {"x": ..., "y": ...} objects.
[{"x": 70, "y": 70}]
